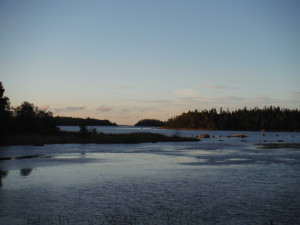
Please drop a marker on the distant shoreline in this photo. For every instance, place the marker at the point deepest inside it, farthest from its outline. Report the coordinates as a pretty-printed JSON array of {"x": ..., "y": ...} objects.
[
  {"x": 65, "y": 137},
  {"x": 170, "y": 128}
]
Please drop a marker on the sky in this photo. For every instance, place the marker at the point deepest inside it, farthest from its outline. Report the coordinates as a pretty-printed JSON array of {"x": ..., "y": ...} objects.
[{"x": 126, "y": 60}]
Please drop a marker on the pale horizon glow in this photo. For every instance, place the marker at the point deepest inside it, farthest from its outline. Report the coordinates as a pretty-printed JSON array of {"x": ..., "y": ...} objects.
[{"x": 130, "y": 60}]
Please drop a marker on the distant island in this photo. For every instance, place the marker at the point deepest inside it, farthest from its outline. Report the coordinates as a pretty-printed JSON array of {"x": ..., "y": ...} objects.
[
  {"x": 150, "y": 123},
  {"x": 73, "y": 121}
]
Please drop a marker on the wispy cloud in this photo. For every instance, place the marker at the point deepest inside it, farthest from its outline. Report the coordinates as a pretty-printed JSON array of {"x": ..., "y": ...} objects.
[
  {"x": 217, "y": 100},
  {"x": 69, "y": 109},
  {"x": 263, "y": 99},
  {"x": 44, "y": 107},
  {"x": 153, "y": 101},
  {"x": 104, "y": 108},
  {"x": 186, "y": 93},
  {"x": 230, "y": 98}
]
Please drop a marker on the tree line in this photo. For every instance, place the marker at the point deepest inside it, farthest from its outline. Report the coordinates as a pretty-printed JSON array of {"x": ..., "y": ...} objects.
[
  {"x": 150, "y": 123},
  {"x": 268, "y": 118},
  {"x": 73, "y": 121},
  {"x": 27, "y": 118}
]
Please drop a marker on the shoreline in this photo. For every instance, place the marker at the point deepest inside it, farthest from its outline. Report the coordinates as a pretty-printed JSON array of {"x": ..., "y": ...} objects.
[
  {"x": 99, "y": 138},
  {"x": 170, "y": 128}
]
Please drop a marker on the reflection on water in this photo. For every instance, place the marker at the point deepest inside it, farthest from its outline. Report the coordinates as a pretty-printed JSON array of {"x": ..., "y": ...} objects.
[
  {"x": 3, "y": 174},
  {"x": 25, "y": 172},
  {"x": 278, "y": 145},
  {"x": 208, "y": 182},
  {"x": 24, "y": 157}
]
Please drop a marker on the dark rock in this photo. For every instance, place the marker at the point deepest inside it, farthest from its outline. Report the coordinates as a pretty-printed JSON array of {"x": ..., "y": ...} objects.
[
  {"x": 238, "y": 135},
  {"x": 204, "y": 136}
]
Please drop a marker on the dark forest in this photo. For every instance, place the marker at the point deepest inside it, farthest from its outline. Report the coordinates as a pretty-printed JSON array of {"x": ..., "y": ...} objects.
[
  {"x": 269, "y": 118},
  {"x": 72, "y": 121}
]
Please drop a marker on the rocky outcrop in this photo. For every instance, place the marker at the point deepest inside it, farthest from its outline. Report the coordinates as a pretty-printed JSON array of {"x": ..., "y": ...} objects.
[
  {"x": 204, "y": 136},
  {"x": 238, "y": 135}
]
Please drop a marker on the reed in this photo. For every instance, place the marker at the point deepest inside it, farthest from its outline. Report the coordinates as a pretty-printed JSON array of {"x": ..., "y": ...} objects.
[
  {"x": 64, "y": 137},
  {"x": 166, "y": 216}
]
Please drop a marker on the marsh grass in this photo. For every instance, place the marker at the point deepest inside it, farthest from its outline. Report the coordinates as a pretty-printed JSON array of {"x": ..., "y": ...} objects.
[
  {"x": 128, "y": 217},
  {"x": 166, "y": 216},
  {"x": 64, "y": 137},
  {"x": 50, "y": 220}
]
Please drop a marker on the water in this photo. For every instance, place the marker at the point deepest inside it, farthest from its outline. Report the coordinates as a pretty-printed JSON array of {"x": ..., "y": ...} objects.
[{"x": 215, "y": 181}]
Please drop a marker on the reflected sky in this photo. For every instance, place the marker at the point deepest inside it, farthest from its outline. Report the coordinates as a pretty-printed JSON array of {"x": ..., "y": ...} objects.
[
  {"x": 217, "y": 181},
  {"x": 217, "y": 187}
]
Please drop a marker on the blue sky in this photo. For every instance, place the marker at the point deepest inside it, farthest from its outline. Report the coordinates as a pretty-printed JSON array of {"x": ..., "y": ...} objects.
[{"x": 129, "y": 60}]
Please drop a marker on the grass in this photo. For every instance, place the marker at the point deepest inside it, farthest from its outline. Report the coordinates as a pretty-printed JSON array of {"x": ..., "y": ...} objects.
[
  {"x": 117, "y": 217},
  {"x": 64, "y": 137}
]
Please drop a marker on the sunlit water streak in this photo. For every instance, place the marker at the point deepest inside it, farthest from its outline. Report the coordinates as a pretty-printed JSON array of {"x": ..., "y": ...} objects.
[{"x": 206, "y": 182}]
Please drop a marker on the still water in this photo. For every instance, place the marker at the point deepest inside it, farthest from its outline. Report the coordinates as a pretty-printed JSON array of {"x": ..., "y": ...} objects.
[{"x": 215, "y": 181}]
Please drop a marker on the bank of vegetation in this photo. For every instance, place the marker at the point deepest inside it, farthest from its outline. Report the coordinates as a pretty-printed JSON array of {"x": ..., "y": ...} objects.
[
  {"x": 268, "y": 118},
  {"x": 27, "y": 124},
  {"x": 150, "y": 123},
  {"x": 64, "y": 137},
  {"x": 73, "y": 121}
]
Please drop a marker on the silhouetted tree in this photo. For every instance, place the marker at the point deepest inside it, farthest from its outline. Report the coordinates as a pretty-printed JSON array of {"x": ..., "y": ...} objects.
[
  {"x": 71, "y": 121},
  {"x": 150, "y": 123},
  {"x": 268, "y": 118},
  {"x": 30, "y": 119},
  {"x": 83, "y": 131},
  {"x": 4, "y": 101},
  {"x": 5, "y": 114}
]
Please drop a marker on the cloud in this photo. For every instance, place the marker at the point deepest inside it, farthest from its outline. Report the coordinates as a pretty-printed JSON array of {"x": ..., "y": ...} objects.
[
  {"x": 190, "y": 97},
  {"x": 69, "y": 109},
  {"x": 263, "y": 99},
  {"x": 44, "y": 107},
  {"x": 230, "y": 98},
  {"x": 104, "y": 108},
  {"x": 211, "y": 100},
  {"x": 186, "y": 93},
  {"x": 154, "y": 101}
]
